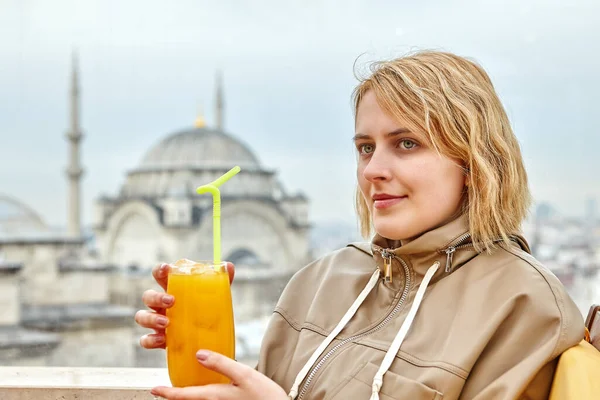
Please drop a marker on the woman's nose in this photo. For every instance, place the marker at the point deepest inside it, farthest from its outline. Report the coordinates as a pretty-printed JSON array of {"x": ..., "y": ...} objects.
[{"x": 378, "y": 168}]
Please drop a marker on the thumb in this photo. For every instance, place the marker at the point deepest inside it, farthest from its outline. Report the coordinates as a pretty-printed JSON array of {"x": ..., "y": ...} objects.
[{"x": 237, "y": 372}]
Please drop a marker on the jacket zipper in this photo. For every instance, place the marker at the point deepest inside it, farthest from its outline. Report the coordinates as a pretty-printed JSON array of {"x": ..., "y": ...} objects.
[
  {"x": 460, "y": 244},
  {"x": 387, "y": 264},
  {"x": 387, "y": 255},
  {"x": 453, "y": 247}
]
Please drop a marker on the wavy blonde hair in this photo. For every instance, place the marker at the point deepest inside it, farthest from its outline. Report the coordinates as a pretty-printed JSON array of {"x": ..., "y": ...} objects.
[{"x": 452, "y": 100}]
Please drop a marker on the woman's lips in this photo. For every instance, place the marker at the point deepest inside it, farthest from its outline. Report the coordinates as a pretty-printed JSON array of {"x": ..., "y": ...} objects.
[{"x": 387, "y": 202}]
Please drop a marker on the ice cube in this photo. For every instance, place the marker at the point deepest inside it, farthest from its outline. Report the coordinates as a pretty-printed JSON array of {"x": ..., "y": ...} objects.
[
  {"x": 198, "y": 269},
  {"x": 187, "y": 269},
  {"x": 183, "y": 262}
]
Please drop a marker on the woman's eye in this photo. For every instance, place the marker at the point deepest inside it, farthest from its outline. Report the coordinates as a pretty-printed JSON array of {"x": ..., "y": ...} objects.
[
  {"x": 366, "y": 148},
  {"x": 407, "y": 144}
]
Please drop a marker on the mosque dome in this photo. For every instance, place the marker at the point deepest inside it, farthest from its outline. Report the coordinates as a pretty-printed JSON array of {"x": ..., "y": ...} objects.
[
  {"x": 198, "y": 148},
  {"x": 17, "y": 218}
]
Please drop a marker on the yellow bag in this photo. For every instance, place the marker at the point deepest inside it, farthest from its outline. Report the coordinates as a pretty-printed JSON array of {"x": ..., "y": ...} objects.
[{"x": 577, "y": 375}]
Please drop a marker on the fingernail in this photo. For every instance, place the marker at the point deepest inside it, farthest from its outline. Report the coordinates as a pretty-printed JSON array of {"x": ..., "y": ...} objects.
[
  {"x": 159, "y": 339},
  {"x": 202, "y": 355},
  {"x": 162, "y": 321},
  {"x": 168, "y": 299}
]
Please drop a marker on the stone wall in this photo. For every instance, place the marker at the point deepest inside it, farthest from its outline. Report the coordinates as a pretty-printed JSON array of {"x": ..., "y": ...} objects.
[
  {"x": 10, "y": 299},
  {"x": 40, "y": 267},
  {"x": 74, "y": 287},
  {"x": 108, "y": 347}
]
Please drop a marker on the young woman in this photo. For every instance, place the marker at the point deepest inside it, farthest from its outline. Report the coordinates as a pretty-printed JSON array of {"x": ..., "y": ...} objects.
[{"x": 446, "y": 301}]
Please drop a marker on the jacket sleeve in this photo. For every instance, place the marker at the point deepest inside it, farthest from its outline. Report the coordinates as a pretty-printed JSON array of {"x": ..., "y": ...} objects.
[
  {"x": 519, "y": 360},
  {"x": 282, "y": 333},
  {"x": 277, "y": 341}
]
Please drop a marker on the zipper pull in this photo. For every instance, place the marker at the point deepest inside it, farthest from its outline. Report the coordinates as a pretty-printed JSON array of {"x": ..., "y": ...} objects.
[
  {"x": 387, "y": 264},
  {"x": 449, "y": 253}
]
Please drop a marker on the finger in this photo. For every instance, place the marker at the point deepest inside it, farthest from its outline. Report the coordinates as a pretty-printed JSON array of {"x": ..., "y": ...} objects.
[
  {"x": 152, "y": 320},
  {"x": 230, "y": 270},
  {"x": 237, "y": 372},
  {"x": 158, "y": 301},
  {"x": 153, "y": 341},
  {"x": 160, "y": 273},
  {"x": 217, "y": 391}
]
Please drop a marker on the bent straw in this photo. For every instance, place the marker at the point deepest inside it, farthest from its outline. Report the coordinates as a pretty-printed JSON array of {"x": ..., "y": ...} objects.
[{"x": 212, "y": 188}]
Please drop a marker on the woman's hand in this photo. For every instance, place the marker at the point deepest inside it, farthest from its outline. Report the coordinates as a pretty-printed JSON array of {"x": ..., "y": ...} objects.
[
  {"x": 158, "y": 302},
  {"x": 246, "y": 383}
]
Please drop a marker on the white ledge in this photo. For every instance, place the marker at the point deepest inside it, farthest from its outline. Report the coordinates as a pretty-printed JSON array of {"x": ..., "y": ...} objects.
[{"x": 49, "y": 383}]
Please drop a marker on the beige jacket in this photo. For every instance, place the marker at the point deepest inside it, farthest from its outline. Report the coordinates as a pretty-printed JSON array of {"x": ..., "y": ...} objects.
[{"x": 490, "y": 326}]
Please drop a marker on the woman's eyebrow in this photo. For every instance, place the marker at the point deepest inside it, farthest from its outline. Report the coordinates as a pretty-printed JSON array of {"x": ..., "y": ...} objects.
[
  {"x": 360, "y": 136},
  {"x": 396, "y": 132},
  {"x": 399, "y": 131}
]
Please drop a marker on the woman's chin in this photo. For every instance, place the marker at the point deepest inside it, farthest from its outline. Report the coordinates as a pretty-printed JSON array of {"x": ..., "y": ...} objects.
[{"x": 392, "y": 231}]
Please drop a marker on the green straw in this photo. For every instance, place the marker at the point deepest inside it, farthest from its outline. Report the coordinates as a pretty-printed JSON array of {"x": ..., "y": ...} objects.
[{"x": 213, "y": 189}]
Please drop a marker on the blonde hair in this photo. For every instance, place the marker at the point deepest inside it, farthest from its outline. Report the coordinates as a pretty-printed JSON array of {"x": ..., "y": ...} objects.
[{"x": 452, "y": 100}]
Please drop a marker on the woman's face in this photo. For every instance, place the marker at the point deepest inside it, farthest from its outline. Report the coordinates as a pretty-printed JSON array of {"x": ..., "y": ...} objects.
[{"x": 408, "y": 187}]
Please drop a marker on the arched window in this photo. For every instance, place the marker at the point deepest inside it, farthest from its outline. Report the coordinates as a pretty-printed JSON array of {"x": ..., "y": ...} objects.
[{"x": 243, "y": 257}]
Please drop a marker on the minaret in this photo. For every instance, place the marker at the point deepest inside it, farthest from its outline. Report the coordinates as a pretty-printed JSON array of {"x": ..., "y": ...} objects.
[
  {"x": 219, "y": 103},
  {"x": 74, "y": 169}
]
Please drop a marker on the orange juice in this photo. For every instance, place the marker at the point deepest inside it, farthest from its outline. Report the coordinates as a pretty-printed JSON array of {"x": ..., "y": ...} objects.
[{"x": 201, "y": 318}]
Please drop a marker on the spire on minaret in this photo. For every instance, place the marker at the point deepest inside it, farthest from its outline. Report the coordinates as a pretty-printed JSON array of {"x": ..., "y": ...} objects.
[
  {"x": 74, "y": 169},
  {"x": 219, "y": 102}
]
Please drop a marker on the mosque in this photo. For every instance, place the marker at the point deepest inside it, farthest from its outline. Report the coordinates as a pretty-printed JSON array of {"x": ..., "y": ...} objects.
[
  {"x": 157, "y": 215},
  {"x": 71, "y": 300}
]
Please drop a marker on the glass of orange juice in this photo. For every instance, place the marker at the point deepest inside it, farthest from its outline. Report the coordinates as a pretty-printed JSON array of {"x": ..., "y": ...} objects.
[{"x": 201, "y": 318}]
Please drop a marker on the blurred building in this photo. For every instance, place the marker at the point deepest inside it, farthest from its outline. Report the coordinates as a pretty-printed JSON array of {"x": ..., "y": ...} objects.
[
  {"x": 570, "y": 248},
  {"x": 55, "y": 300},
  {"x": 157, "y": 216},
  {"x": 68, "y": 305}
]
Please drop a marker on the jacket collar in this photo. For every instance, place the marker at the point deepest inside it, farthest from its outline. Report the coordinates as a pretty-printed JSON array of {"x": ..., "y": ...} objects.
[
  {"x": 422, "y": 252},
  {"x": 436, "y": 240},
  {"x": 432, "y": 246}
]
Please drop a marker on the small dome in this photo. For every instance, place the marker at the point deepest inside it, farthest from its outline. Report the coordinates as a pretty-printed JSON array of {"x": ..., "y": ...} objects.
[
  {"x": 199, "y": 147},
  {"x": 17, "y": 218}
]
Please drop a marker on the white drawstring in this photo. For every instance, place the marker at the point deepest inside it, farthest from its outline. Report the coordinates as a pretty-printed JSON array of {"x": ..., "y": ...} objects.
[
  {"x": 349, "y": 314},
  {"x": 395, "y": 347}
]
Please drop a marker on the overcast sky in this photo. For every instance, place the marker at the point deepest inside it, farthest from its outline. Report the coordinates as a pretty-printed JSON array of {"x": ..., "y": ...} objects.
[{"x": 146, "y": 67}]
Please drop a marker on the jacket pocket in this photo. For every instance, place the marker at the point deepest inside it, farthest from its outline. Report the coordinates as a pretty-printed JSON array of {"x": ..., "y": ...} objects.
[{"x": 395, "y": 387}]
